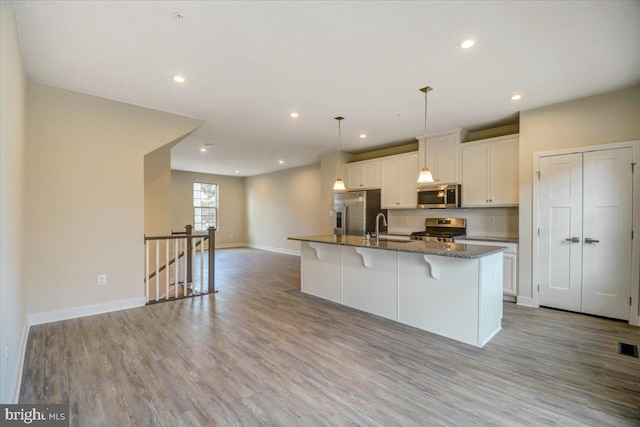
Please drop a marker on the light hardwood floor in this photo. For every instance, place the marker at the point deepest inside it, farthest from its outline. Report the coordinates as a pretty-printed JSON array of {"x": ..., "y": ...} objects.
[{"x": 262, "y": 353}]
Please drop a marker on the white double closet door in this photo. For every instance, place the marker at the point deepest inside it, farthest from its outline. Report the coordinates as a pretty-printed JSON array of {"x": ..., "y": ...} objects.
[{"x": 585, "y": 218}]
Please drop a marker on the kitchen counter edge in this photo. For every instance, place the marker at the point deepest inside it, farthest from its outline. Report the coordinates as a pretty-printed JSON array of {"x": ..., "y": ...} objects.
[{"x": 455, "y": 250}]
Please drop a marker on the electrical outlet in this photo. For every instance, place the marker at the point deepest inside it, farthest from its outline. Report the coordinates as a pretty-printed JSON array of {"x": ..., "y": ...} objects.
[
  {"x": 492, "y": 220},
  {"x": 6, "y": 352},
  {"x": 231, "y": 235},
  {"x": 102, "y": 279},
  {"x": 330, "y": 213}
]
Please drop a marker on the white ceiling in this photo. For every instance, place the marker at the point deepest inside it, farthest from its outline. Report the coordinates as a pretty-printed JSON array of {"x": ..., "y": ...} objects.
[{"x": 249, "y": 64}]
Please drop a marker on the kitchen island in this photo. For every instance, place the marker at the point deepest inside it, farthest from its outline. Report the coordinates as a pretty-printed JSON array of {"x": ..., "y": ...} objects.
[{"x": 453, "y": 290}]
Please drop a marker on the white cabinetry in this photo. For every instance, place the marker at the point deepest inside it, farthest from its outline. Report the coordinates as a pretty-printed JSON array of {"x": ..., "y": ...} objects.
[
  {"x": 490, "y": 172},
  {"x": 510, "y": 264},
  {"x": 364, "y": 175},
  {"x": 399, "y": 175},
  {"x": 442, "y": 155}
]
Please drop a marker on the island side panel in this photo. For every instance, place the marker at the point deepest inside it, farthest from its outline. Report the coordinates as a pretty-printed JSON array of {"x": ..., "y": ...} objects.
[
  {"x": 490, "y": 304},
  {"x": 321, "y": 270},
  {"x": 374, "y": 288},
  {"x": 446, "y": 306}
]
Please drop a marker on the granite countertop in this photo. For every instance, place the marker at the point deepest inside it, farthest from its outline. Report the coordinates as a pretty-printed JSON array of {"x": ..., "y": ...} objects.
[
  {"x": 455, "y": 250},
  {"x": 489, "y": 239}
]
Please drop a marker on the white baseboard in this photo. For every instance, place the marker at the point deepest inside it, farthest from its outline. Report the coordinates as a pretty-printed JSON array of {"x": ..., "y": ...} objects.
[
  {"x": 274, "y": 249},
  {"x": 87, "y": 310},
  {"x": 17, "y": 376},
  {"x": 526, "y": 302},
  {"x": 230, "y": 245}
]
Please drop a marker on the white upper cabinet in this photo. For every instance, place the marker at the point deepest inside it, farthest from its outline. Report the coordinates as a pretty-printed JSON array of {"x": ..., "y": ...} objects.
[
  {"x": 490, "y": 172},
  {"x": 399, "y": 175},
  {"x": 364, "y": 175},
  {"x": 443, "y": 155}
]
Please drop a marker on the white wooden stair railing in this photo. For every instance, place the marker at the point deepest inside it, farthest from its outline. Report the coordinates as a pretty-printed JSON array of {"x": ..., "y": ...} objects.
[{"x": 188, "y": 269}]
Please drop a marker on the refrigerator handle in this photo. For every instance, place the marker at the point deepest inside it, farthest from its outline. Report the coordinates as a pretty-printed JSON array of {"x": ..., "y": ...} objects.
[{"x": 345, "y": 220}]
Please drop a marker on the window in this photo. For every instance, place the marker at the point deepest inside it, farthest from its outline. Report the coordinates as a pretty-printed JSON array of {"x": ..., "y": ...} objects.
[{"x": 205, "y": 205}]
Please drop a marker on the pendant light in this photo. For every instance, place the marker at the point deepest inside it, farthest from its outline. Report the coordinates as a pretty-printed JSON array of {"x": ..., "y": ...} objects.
[
  {"x": 425, "y": 176},
  {"x": 339, "y": 185}
]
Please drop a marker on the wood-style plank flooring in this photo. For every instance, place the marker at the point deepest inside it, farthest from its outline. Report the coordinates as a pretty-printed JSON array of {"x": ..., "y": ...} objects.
[{"x": 262, "y": 353}]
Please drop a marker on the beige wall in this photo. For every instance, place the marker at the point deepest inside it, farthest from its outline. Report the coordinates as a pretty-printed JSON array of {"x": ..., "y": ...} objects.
[
  {"x": 283, "y": 204},
  {"x": 85, "y": 181},
  {"x": 157, "y": 192},
  {"x": 231, "y": 205},
  {"x": 12, "y": 163},
  {"x": 611, "y": 117}
]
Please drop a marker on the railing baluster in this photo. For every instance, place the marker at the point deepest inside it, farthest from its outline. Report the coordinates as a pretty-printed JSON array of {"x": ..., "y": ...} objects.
[
  {"x": 202, "y": 264},
  {"x": 157, "y": 272},
  {"x": 185, "y": 276},
  {"x": 176, "y": 267},
  {"x": 167, "y": 257},
  {"x": 193, "y": 264},
  {"x": 146, "y": 271}
]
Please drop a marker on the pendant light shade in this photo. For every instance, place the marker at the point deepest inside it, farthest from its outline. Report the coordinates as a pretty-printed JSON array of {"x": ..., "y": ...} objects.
[
  {"x": 339, "y": 185},
  {"x": 425, "y": 176}
]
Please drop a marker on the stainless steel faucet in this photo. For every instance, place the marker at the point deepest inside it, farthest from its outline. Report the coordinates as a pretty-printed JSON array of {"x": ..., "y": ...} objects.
[{"x": 378, "y": 226}]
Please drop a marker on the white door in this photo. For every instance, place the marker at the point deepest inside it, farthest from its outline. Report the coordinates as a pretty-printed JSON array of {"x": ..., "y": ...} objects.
[
  {"x": 560, "y": 208},
  {"x": 606, "y": 272}
]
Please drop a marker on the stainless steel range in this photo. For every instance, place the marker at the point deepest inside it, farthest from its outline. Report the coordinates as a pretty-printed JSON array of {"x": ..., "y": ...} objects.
[{"x": 441, "y": 230}]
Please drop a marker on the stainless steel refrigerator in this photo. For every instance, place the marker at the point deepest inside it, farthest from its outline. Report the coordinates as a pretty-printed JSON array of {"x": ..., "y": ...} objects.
[{"x": 355, "y": 212}]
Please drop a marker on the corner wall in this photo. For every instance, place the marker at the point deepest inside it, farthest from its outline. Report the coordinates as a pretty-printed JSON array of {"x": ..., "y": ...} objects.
[
  {"x": 231, "y": 205},
  {"x": 600, "y": 119},
  {"x": 85, "y": 210},
  {"x": 283, "y": 204},
  {"x": 13, "y": 321}
]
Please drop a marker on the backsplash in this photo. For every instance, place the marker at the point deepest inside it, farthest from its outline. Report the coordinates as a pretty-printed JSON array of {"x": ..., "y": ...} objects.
[{"x": 505, "y": 220}]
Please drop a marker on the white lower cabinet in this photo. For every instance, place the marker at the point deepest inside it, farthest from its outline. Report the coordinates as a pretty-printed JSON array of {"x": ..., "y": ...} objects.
[{"x": 510, "y": 264}]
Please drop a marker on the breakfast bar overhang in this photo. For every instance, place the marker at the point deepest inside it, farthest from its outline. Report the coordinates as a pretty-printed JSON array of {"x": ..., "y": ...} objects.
[{"x": 453, "y": 290}]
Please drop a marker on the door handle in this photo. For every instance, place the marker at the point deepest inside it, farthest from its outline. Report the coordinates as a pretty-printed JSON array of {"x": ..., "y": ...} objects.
[
  {"x": 590, "y": 240},
  {"x": 573, "y": 239}
]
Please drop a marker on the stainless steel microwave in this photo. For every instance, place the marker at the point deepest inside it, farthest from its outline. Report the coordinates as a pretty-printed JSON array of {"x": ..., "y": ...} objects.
[{"x": 439, "y": 196}]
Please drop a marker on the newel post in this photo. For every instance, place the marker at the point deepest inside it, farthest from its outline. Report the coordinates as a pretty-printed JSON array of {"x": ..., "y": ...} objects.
[
  {"x": 189, "y": 250},
  {"x": 212, "y": 254}
]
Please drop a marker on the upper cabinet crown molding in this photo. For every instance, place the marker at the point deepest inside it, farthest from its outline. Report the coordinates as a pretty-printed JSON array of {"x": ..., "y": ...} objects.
[
  {"x": 490, "y": 175},
  {"x": 443, "y": 155}
]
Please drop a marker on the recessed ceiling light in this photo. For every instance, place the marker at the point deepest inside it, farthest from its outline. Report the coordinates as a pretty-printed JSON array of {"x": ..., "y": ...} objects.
[
  {"x": 467, "y": 43},
  {"x": 237, "y": 171},
  {"x": 178, "y": 78},
  {"x": 294, "y": 115},
  {"x": 363, "y": 135},
  {"x": 281, "y": 161},
  {"x": 516, "y": 97},
  {"x": 203, "y": 149}
]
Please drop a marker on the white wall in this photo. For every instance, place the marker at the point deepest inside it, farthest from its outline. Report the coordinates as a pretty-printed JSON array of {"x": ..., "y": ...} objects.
[
  {"x": 231, "y": 205},
  {"x": 283, "y": 204},
  {"x": 85, "y": 205},
  {"x": 12, "y": 146},
  {"x": 610, "y": 117}
]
